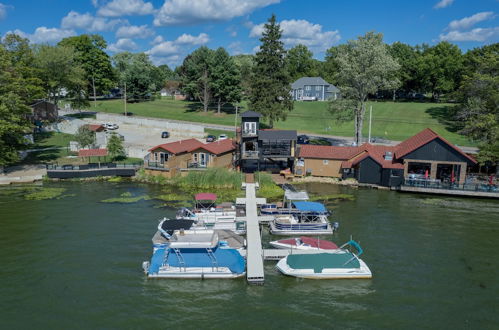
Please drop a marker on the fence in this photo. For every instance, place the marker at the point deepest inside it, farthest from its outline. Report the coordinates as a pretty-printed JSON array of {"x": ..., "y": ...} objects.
[
  {"x": 447, "y": 185},
  {"x": 91, "y": 170}
]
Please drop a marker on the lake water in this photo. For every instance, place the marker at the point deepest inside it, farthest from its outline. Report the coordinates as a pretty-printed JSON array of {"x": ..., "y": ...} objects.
[{"x": 76, "y": 263}]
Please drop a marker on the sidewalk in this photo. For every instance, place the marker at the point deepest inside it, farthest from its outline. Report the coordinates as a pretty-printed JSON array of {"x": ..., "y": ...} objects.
[{"x": 22, "y": 174}]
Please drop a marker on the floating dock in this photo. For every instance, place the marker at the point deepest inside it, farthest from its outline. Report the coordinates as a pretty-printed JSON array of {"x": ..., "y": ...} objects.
[{"x": 254, "y": 258}]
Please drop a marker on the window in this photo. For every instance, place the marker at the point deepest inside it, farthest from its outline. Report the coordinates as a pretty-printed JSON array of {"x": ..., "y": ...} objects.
[
  {"x": 325, "y": 162},
  {"x": 250, "y": 128},
  {"x": 307, "y": 88}
]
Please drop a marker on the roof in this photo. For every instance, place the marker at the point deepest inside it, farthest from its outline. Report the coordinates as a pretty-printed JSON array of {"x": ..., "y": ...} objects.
[
  {"x": 251, "y": 114},
  {"x": 92, "y": 152},
  {"x": 179, "y": 146},
  {"x": 205, "y": 197},
  {"x": 377, "y": 153},
  {"x": 327, "y": 152},
  {"x": 310, "y": 207},
  {"x": 269, "y": 134},
  {"x": 218, "y": 147},
  {"x": 425, "y": 136},
  {"x": 313, "y": 81},
  {"x": 95, "y": 127}
]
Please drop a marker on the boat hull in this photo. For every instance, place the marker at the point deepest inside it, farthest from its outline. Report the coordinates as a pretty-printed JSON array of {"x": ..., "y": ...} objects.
[
  {"x": 327, "y": 273},
  {"x": 301, "y": 229},
  {"x": 278, "y": 245}
]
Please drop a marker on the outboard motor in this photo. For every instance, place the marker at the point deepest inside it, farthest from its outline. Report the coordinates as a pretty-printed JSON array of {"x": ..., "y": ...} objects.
[{"x": 336, "y": 225}]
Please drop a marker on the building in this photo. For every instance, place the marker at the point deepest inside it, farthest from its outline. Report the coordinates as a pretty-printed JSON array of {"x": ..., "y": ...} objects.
[
  {"x": 184, "y": 155},
  {"x": 44, "y": 111},
  {"x": 313, "y": 89},
  {"x": 426, "y": 155},
  {"x": 264, "y": 149}
]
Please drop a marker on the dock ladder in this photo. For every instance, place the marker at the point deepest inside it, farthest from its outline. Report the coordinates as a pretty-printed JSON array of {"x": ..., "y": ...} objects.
[
  {"x": 214, "y": 262},
  {"x": 180, "y": 259}
]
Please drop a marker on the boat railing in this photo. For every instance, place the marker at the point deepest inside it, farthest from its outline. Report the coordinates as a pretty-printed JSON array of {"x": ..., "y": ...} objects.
[
  {"x": 214, "y": 263},
  {"x": 180, "y": 258}
]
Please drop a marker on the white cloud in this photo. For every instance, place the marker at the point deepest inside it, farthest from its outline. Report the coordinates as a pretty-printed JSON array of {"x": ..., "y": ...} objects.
[
  {"x": 3, "y": 11},
  {"x": 75, "y": 20},
  {"x": 468, "y": 22},
  {"x": 477, "y": 34},
  {"x": 187, "y": 39},
  {"x": 117, "y": 8},
  {"x": 44, "y": 35},
  {"x": 236, "y": 48},
  {"x": 443, "y": 4},
  {"x": 122, "y": 45},
  {"x": 296, "y": 32},
  {"x": 182, "y": 12},
  {"x": 164, "y": 48},
  {"x": 134, "y": 31},
  {"x": 157, "y": 40}
]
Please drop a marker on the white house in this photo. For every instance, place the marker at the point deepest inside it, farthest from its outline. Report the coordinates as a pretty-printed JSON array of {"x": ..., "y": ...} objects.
[{"x": 313, "y": 89}]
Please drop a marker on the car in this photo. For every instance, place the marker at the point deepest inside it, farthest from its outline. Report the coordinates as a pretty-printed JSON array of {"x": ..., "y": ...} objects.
[
  {"x": 302, "y": 139},
  {"x": 211, "y": 138},
  {"x": 223, "y": 137},
  {"x": 165, "y": 135},
  {"x": 110, "y": 126}
]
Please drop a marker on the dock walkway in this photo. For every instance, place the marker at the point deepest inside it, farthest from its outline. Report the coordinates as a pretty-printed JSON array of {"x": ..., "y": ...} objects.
[{"x": 254, "y": 259}]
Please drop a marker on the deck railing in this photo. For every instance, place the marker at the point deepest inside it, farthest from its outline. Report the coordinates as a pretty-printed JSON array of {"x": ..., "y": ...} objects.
[
  {"x": 90, "y": 166},
  {"x": 438, "y": 184}
]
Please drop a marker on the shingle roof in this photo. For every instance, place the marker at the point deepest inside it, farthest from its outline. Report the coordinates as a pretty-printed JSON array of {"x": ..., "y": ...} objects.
[
  {"x": 327, "y": 152},
  {"x": 218, "y": 147},
  {"x": 425, "y": 136},
  {"x": 179, "y": 146},
  {"x": 251, "y": 114},
  {"x": 276, "y": 135},
  {"x": 377, "y": 153},
  {"x": 92, "y": 152},
  {"x": 95, "y": 127},
  {"x": 313, "y": 81}
]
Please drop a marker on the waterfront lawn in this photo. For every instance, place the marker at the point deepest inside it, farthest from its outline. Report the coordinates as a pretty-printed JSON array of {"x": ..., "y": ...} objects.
[
  {"x": 391, "y": 120},
  {"x": 51, "y": 140}
]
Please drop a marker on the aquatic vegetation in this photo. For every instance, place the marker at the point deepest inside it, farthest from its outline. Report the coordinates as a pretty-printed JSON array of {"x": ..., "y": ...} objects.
[
  {"x": 126, "y": 194},
  {"x": 44, "y": 193},
  {"x": 115, "y": 179},
  {"x": 66, "y": 195},
  {"x": 126, "y": 199},
  {"x": 332, "y": 197}
]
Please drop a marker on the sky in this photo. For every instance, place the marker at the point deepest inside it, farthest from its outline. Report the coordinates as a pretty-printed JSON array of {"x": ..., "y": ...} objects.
[{"x": 168, "y": 30}]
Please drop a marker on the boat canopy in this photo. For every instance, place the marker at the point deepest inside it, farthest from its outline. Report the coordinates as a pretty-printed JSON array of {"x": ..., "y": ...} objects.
[
  {"x": 205, "y": 197},
  {"x": 296, "y": 195},
  {"x": 310, "y": 207}
]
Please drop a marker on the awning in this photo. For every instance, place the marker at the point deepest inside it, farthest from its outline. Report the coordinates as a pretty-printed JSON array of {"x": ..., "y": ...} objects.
[
  {"x": 205, "y": 197},
  {"x": 310, "y": 207},
  {"x": 296, "y": 195}
]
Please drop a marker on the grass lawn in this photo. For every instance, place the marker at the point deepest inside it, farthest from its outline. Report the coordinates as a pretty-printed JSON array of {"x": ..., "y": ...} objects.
[
  {"x": 217, "y": 132},
  {"x": 391, "y": 120}
]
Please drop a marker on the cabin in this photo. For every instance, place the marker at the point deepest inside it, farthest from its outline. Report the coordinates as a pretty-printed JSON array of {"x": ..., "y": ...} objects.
[
  {"x": 425, "y": 155},
  {"x": 181, "y": 156},
  {"x": 264, "y": 149}
]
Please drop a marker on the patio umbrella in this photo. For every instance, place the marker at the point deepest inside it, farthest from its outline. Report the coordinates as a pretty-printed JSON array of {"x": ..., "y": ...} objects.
[
  {"x": 426, "y": 174},
  {"x": 491, "y": 180},
  {"x": 452, "y": 177}
]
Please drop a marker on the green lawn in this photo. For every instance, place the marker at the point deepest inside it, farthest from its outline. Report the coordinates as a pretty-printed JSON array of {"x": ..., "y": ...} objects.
[
  {"x": 391, "y": 120},
  {"x": 217, "y": 132}
]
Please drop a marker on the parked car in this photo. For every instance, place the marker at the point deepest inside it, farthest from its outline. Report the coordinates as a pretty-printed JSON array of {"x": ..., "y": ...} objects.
[
  {"x": 302, "y": 139},
  {"x": 165, "y": 135},
  {"x": 211, "y": 138},
  {"x": 223, "y": 137},
  {"x": 110, "y": 126}
]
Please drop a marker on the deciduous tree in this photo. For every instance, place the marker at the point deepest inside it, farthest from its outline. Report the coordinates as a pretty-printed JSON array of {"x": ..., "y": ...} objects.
[
  {"x": 115, "y": 147},
  {"x": 300, "y": 62},
  {"x": 225, "y": 79},
  {"x": 84, "y": 136}
]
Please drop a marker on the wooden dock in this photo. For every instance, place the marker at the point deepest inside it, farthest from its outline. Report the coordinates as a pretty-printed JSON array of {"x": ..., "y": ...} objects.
[{"x": 254, "y": 258}]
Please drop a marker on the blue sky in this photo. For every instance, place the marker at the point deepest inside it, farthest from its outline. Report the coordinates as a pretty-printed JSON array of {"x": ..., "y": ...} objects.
[{"x": 168, "y": 30}]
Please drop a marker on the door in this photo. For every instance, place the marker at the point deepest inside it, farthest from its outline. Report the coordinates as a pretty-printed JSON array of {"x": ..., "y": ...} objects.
[{"x": 202, "y": 160}]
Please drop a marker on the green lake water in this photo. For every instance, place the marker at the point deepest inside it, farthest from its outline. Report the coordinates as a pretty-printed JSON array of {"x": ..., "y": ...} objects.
[{"x": 76, "y": 263}]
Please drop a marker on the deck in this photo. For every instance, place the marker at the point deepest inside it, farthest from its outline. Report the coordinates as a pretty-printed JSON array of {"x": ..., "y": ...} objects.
[
  {"x": 254, "y": 259},
  {"x": 449, "y": 192}
]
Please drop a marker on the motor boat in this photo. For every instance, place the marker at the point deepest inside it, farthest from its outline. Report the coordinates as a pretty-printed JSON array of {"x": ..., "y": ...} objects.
[
  {"x": 309, "y": 218},
  {"x": 304, "y": 243},
  {"x": 195, "y": 253},
  {"x": 332, "y": 264}
]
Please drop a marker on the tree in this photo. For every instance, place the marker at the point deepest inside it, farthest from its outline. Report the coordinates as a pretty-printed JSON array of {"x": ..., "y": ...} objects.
[
  {"x": 84, "y": 136},
  {"x": 479, "y": 101},
  {"x": 115, "y": 147},
  {"x": 271, "y": 85},
  {"x": 440, "y": 68},
  {"x": 18, "y": 89},
  {"x": 330, "y": 67},
  {"x": 300, "y": 62},
  {"x": 245, "y": 63},
  {"x": 196, "y": 75},
  {"x": 172, "y": 86},
  {"x": 364, "y": 67},
  {"x": 408, "y": 57},
  {"x": 90, "y": 55},
  {"x": 59, "y": 71},
  {"x": 225, "y": 79}
]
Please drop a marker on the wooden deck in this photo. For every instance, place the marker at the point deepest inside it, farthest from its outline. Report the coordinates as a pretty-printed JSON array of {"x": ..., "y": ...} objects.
[
  {"x": 254, "y": 259},
  {"x": 449, "y": 192}
]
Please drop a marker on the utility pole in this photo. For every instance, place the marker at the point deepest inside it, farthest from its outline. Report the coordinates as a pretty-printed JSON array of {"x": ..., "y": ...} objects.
[
  {"x": 93, "y": 86},
  {"x": 235, "y": 119},
  {"x": 370, "y": 121},
  {"x": 125, "y": 98}
]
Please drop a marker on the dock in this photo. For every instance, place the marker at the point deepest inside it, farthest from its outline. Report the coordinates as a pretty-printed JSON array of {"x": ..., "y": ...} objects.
[
  {"x": 278, "y": 254},
  {"x": 254, "y": 258}
]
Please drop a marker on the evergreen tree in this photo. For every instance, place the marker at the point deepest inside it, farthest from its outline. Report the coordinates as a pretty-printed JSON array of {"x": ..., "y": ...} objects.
[
  {"x": 271, "y": 84},
  {"x": 226, "y": 81}
]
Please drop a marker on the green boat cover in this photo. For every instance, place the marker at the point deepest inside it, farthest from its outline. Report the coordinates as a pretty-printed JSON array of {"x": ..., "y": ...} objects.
[{"x": 319, "y": 261}]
